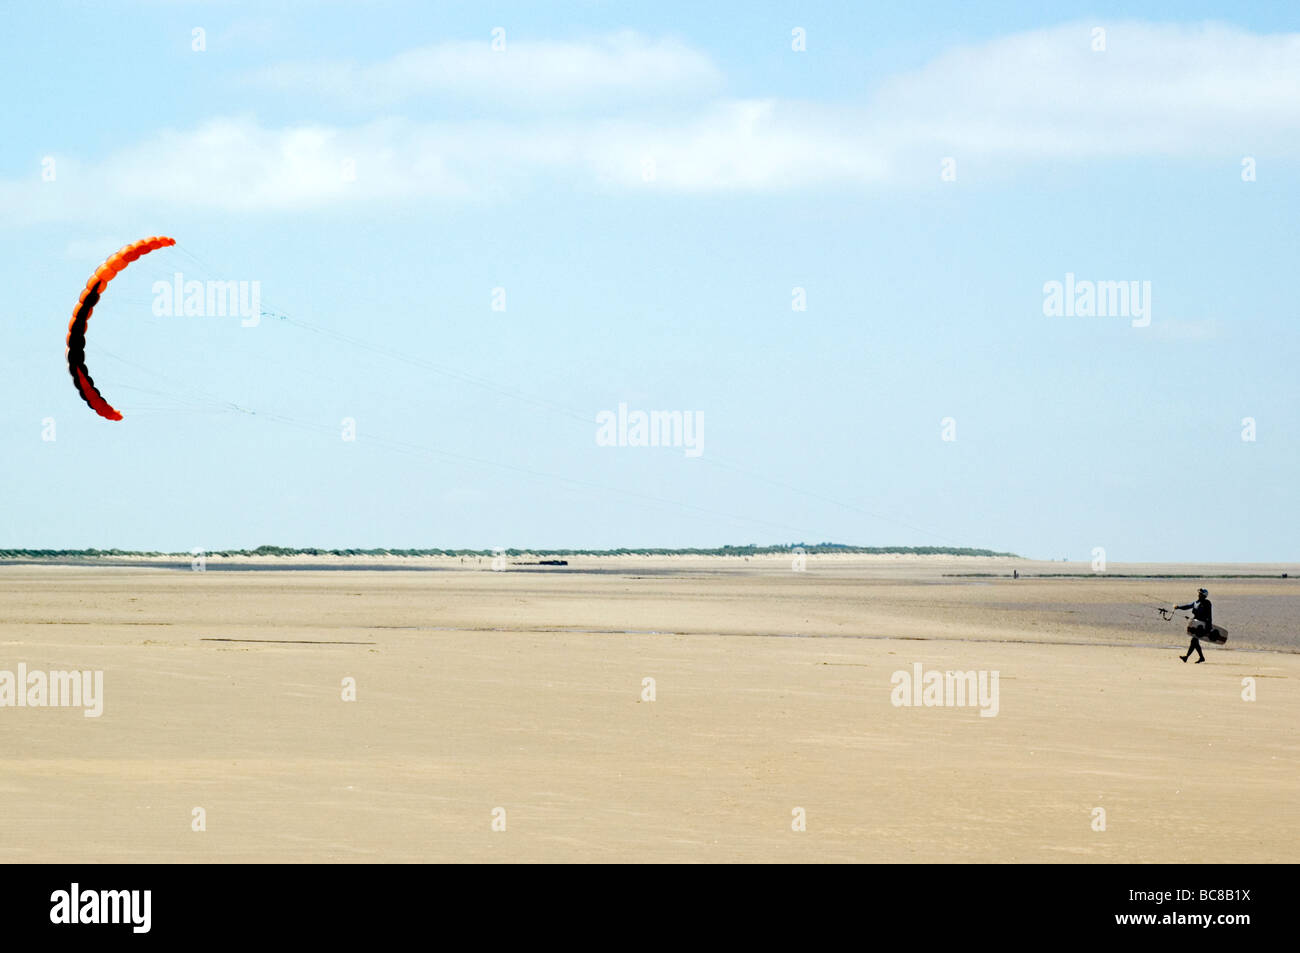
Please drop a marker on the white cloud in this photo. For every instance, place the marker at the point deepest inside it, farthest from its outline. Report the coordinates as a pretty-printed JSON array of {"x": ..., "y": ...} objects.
[
  {"x": 525, "y": 75},
  {"x": 734, "y": 146},
  {"x": 237, "y": 164},
  {"x": 1176, "y": 329},
  {"x": 1158, "y": 91}
]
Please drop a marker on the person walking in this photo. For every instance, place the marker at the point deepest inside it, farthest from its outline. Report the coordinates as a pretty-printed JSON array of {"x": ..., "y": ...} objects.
[{"x": 1201, "y": 624}]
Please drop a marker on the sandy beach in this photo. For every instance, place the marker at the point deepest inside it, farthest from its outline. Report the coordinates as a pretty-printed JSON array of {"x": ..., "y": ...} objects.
[{"x": 525, "y": 690}]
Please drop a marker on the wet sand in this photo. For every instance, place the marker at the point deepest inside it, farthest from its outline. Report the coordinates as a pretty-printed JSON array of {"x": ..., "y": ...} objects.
[{"x": 522, "y": 690}]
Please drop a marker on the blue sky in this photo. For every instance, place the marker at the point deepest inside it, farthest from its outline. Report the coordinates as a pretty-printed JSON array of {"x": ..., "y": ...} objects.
[{"x": 649, "y": 184}]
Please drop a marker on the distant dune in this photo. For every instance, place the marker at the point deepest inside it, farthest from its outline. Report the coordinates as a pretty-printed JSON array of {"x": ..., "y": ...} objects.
[{"x": 290, "y": 552}]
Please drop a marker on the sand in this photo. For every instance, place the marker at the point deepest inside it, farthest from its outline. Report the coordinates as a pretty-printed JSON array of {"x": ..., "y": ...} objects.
[{"x": 523, "y": 690}]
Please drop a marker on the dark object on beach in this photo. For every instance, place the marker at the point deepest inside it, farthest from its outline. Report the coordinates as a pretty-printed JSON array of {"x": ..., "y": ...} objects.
[
  {"x": 544, "y": 562},
  {"x": 1216, "y": 634}
]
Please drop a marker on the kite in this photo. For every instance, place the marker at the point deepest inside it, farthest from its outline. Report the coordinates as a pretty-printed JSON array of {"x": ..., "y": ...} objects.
[{"x": 95, "y": 288}]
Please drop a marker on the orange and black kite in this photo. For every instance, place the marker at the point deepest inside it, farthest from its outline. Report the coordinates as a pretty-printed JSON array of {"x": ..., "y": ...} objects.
[{"x": 85, "y": 305}]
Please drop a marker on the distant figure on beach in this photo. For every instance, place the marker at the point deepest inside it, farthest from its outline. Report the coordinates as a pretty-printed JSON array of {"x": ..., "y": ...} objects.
[
  {"x": 1202, "y": 622},
  {"x": 1015, "y": 574}
]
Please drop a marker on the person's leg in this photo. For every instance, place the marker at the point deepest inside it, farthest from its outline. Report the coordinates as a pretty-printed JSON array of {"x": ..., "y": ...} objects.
[{"x": 1196, "y": 644}]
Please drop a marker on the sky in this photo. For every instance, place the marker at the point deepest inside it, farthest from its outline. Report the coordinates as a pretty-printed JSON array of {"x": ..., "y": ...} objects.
[{"x": 827, "y": 232}]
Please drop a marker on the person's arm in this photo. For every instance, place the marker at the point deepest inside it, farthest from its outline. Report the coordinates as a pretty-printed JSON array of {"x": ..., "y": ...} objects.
[{"x": 1188, "y": 606}]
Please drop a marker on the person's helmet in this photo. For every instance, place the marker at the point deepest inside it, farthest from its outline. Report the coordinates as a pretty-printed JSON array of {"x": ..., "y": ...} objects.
[{"x": 1202, "y": 592}]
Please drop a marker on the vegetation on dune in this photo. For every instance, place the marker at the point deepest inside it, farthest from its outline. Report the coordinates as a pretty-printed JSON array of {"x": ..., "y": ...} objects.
[
  {"x": 751, "y": 549},
  {"x": 71, "y": 553}
]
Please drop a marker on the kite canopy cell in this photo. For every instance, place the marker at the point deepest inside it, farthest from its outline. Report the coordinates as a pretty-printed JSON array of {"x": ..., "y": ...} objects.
[{"x": 94, "y": 289}]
